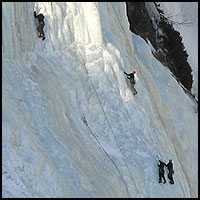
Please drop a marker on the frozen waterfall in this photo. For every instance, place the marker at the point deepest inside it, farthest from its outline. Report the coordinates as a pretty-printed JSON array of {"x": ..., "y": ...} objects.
[{"x": 71, "y": 126}]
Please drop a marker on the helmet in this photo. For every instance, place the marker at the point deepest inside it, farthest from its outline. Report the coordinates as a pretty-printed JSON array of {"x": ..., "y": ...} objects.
[
  {"x": 134, "y": 72},
  {"x": 170, "y": 160}
]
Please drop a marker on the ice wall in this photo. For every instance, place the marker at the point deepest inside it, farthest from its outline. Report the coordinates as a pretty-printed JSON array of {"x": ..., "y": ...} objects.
[{"x": 71, "y": 126}]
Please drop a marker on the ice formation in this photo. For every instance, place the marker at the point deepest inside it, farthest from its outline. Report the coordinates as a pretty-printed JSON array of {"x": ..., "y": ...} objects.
[{"x": 71, "y": 126}]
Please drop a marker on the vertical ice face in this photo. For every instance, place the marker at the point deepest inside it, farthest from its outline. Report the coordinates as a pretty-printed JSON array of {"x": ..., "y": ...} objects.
[
  {"x": 71, "y": 126},
  {"x": 65, "y": 23},
  {"x": 18, "y": 33}
]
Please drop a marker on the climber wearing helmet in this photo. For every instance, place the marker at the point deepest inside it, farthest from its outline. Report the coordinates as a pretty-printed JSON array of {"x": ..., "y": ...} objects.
[
  {"x": 41, "y": 24},
  {"x": 170, "y": 171},
  {"x": 131, "y": 76},
  {"x": 161, "y": 166},
  {"x": 132, "y": 80}
]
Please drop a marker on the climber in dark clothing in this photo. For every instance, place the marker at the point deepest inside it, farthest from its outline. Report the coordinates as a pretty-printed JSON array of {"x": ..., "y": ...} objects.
[
  {"x": 131, "y": 77},
  {"x": 41, "y": 24},
  {"x": 132, "y": 81},
  {"x": 161, "y": 166},
  {"x": 170, "y": 171}
]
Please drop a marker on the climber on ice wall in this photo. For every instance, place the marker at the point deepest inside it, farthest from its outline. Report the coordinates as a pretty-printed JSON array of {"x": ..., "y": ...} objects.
[
  {"x": 41, "y": 25},
  {"x": 131, "y": 77},
  {"x": 161, "y": 166},
  {"x": 170, "y": 171}
]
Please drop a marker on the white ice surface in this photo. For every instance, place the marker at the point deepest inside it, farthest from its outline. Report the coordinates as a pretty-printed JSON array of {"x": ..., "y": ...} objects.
[{"x": 71, "y": 126}]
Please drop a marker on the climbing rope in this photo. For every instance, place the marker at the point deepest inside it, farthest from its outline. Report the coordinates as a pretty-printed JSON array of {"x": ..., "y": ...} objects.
[{"x": 110, "y": 128}]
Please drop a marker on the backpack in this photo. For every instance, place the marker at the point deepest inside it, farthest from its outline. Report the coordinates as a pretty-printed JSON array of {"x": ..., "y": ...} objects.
[{"x": 40, "y": 18}]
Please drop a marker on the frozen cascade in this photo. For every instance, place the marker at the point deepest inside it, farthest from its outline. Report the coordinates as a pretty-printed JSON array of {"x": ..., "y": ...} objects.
[{"x": 71, "y": 126}]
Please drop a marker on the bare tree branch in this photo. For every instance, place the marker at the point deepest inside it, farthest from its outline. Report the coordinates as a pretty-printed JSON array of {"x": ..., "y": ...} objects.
[{"x": 177, "y": 22}]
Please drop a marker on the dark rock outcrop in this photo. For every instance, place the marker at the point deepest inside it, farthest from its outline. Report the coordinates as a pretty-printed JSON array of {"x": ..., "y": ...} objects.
[{"x": 170, "y": 50}]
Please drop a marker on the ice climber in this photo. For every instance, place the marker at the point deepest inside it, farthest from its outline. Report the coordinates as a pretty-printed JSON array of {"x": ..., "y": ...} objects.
[
  {"x": 170, "y": 171},
  {"x": 41, "y": 25},
  {"x": 131, "y": 77},
  {"x": 161, "y": 166}
]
